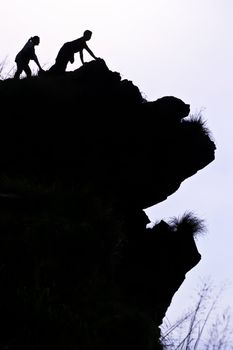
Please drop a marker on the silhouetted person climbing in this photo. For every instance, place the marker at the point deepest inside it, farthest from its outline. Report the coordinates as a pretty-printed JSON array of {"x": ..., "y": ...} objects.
[
  {"x": 24, "y": 56},
  {"x": 67, "y": 51}
]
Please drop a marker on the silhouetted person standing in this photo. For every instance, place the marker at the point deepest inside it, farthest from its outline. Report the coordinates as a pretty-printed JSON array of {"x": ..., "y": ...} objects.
[
  {"x": 67, "y": 51},
  {"x": 24, "y": 56}
]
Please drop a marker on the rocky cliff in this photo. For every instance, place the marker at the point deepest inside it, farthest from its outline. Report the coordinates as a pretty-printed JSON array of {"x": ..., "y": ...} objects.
[{"x": 81, "y": 155}]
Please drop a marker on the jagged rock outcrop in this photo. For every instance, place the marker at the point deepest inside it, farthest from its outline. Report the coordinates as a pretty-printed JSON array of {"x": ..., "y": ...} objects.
[{"x": 81, "y": 155}]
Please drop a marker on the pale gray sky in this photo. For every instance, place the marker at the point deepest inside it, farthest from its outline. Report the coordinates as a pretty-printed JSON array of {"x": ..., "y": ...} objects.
[{"x": 166, "y": 47}]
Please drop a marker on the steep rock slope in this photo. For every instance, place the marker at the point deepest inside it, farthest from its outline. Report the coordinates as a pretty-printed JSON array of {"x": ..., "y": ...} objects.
[{"x": 81, "y": 155}]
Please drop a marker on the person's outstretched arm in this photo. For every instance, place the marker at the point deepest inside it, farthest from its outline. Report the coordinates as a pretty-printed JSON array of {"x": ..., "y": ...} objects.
[
  {"x": 37, "y": 62},
  {"x": 90, "y": 52},
  {"x": 81, "y": 56},
  {"x": 72, "y": 58}
]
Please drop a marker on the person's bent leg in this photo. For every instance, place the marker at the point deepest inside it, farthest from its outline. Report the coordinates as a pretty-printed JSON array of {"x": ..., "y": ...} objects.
[
  {"x": 19, "y": 70},
  {"x": 62, "y": 59},
  {"x": 28, "y": 71}
]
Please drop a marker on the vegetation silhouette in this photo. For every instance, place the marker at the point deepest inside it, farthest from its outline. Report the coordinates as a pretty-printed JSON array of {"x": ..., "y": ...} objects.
[
  {"x": 197, "y": 328},
  {"x": 78, "y": 266},
  {"x": 25, "y": 55},
  {"x": 68, "y": 50}
]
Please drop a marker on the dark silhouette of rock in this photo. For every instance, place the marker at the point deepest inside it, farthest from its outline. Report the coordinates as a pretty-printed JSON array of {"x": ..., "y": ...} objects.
[
  {"x": 78, "y": 267},
  {"x": 163, "y": 107},
  {"x": 161, "y": 256}
]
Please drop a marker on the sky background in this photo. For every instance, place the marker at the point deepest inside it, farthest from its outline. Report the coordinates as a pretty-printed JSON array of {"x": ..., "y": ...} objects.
[{"x": 182, "y": 48}]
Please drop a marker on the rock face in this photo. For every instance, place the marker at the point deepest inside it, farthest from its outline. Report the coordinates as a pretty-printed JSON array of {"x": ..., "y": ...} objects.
[{"x": 82, "y": 154}]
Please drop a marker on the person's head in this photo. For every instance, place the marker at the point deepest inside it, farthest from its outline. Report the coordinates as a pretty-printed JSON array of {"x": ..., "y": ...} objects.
[
  {"x": 36, "y": 40},
  {"x": 87, "y": 34}
]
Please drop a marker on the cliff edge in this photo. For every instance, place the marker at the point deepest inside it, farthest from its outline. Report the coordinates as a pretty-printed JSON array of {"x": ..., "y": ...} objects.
[{"x": 81, "y": 155}]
